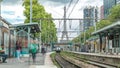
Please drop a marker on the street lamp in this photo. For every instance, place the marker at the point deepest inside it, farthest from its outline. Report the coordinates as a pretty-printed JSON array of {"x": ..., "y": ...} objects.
[
  {"x": 30, "y": 11},
  {"x": 84, "y": 36},
  {"x": 0, "y": 6}
]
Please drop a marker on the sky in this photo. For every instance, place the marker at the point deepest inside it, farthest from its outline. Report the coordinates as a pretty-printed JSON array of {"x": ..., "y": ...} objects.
[
  {"x": 55, "y": 7},
  {"x": 12, "y": 10}
]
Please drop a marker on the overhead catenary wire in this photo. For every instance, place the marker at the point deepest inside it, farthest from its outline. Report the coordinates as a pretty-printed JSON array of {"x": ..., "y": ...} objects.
[
  {"x": 69, "y": 5},
  {"x": 54, "y": 11},
  {"x": 73, "y": 8},
  {"x": 67, "y": 9}
]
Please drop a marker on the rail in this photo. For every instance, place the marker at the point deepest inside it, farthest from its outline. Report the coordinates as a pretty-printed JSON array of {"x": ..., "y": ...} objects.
[
  {"x": 63, "y": 63},
  {"x": 77, "y": 58}
]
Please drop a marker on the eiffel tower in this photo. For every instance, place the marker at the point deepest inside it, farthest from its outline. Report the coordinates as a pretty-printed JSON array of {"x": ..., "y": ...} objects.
[{"x": 64, "y": 32}]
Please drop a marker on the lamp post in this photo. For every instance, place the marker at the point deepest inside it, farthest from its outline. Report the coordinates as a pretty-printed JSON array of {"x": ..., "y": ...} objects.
[
  {"x": 29, "y": 27},
  {"x": 84, "y": 36},
  {"x": 30, "y": 11},
  {"x": 0, "y": 6},
  {"x": 30, "y": 21}
]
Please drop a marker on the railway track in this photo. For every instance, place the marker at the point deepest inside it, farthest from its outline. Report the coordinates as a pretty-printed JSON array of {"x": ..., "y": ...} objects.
[
  {"x": 67, "y": 64},
  {"x": 63, "y": 63},
  {"x": 100, "y": 65},
  {"x": 91, "y": 62}
]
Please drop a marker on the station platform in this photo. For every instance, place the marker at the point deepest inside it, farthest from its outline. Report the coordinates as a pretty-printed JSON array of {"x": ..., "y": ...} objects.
[
  {"x": 42, "y": 61},
  {"x": 47, "y": 62}
]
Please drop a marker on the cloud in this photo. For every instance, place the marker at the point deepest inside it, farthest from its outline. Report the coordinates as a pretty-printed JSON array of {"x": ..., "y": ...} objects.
[
  {"x": 56, "y": 2},
  {"x": 12, "y": 13},
  {"x": 11, "y": 2},
  {"x": 58, "y": 5},
  {"x": 55, "y": 7},
  {"x": 77, "y": 12},
  {"x": 8, "y": 12},
  {"x": 89, "y": 1}
]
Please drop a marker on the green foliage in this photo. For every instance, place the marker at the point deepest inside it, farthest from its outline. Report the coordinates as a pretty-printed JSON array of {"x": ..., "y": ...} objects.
[
  {"x": 114, "y": 13},
  {"x": 88, "y": 32},
  {"x": 48, "y": 33},
  {"x": 113, "y": 17},
  {"x": 103, "y": 23}
]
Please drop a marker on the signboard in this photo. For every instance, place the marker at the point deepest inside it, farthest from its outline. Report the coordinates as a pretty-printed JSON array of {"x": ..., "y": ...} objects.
[{"x": 63, "y": 41}]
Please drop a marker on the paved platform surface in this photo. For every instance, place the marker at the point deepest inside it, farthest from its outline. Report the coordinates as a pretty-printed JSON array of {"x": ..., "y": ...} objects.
[
  {"x": 48, "y": 62},
  {"x": 42, "y": 61},
  {"x": 14, "y": 63}
]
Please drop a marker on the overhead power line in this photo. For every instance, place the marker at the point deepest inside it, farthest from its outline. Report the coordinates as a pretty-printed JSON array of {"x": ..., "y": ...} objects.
[
  {"x": 69, "y": 5},
  {"x": 73, "y": 8},
  {"x": 68, "y": 8},
  {"x": 54, "y": 11}
]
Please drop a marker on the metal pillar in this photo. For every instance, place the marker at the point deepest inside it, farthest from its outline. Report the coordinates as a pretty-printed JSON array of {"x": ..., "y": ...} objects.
[
  {"x": 114, "y": 42},
  {"x": 28, "y": 35},
  {"x": 65, "y": 30},
  {"x": 0, "y": 6},
  {"x": 30, "y": 22},
  {"x": 119, "y": 42},
  {"x": 14, "y": 41},
  {"x": 94, "y": 20},
  {"x": 84, "y": 36},
  {"x": 29, "y": 27},
  {"x": 80, "y": 34},
  {"x": 108, "y": 42},
  {"x": 105, "y": 47},
  {"x": 29, "y": 43},
  {"x": 45, "y": 36},
  {"x": 100, "y": 42},
  {"x": 40, "y": 34},
  {"x": 80, "y": 30},
  {"x": 30, "y": 11}
]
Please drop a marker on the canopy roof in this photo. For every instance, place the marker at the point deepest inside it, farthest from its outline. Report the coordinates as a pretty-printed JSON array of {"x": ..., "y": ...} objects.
[
  {"x": 112, "y": 27},
  {"x": 2, "y": 19},
  {"x": 34, "y": 27}
]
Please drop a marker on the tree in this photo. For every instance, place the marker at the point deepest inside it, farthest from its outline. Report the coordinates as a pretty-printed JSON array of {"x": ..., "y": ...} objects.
[
  {"x": 114, "y": 13},
  {"x": 88, "y": 33},
  {"x": 113, "y": 17},
  {"x": 38, "y": 11},
  {"x": 103, "y": 23}
]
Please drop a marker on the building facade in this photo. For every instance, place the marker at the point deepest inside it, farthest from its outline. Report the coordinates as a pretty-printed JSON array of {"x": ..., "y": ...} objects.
[
  {"x": 102, "y": 12},
  {"x": 4, "y": 35},
  {"x": 90, "y": 15},
  {"x": 108, "y": 4}
]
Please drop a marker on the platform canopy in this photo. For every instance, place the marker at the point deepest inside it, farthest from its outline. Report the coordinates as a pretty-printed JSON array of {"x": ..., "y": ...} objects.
[
  {"x": 26, "y": 32},
  {"x": 34, "y": 27},
  {"x": 110, "y": 28}
]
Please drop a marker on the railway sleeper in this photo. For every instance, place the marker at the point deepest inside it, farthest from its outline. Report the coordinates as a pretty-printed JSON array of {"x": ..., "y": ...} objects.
[
  {"x": 86, "y": 63},
  {"x": 101, "y": 65},
  {"x": 65, "y": 63}
]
